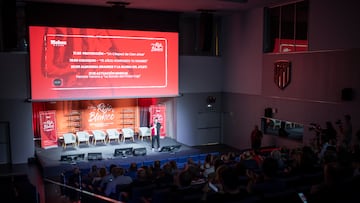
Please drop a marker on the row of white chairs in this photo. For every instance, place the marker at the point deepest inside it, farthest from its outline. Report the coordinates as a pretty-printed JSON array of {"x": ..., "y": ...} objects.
[{"x": 104, "y": 136}]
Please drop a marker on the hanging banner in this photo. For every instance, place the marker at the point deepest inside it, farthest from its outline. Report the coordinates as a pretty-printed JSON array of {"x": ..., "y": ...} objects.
[
  {"x": 159, "y": 111},
  {"x": 48, "y": 129}
]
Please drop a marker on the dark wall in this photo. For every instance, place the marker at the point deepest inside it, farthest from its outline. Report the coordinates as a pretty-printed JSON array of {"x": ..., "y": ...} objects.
[
  {"x": 8, "y": 28},
  {"x": 314, "y": 95},
  {"x": 100, "y": 17},
  {"x": 315, "y": 76}
]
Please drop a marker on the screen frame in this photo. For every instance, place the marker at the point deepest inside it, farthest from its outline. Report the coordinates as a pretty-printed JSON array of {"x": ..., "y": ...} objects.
[{"x": 170, "y": 87}]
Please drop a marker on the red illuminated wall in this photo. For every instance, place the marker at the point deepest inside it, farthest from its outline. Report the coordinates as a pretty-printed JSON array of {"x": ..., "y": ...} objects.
[{"x": 72, "y": 116}]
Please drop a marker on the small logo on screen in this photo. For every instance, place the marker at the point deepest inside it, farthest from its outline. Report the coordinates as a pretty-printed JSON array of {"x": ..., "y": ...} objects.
[
  {"x": 157, "y": 47},
  {"x": 57, "y": 82},
  {"x": 58, "y": 43}
]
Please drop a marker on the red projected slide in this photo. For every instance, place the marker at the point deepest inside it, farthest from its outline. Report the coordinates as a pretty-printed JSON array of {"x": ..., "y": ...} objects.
[{"x": 85, "y": 63}]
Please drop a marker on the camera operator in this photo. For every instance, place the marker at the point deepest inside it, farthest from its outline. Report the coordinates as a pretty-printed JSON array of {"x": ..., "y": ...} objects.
[
  {"x": 319, "y": 133},
  {"x": 329, "y": 132},
  {"x": 345, "y": 128},
  {"x": 324, "y": 135}
]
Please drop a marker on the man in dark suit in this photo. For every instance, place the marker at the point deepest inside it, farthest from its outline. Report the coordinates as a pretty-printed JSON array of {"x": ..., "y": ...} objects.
[{"x": 155, "y": 133}]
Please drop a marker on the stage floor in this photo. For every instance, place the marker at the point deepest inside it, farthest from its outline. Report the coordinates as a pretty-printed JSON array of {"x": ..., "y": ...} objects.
[{"x": 55, "y": 160}]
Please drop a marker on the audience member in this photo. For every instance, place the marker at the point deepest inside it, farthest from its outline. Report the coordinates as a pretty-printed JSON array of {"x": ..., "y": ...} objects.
[
  {"x": 119, "y": 179},
  {"x": 74, "y": 182},
  {"x": 165, "y": 177},
  {"x": 347, "y": 130},
  {"x": 208, "y": 166},
  {"x": 267, "y": 181},
  {"x": 186, "y": 190},
  {"x": 356, "y": 164},
  {"x": 308, "y": 160},
  {"x": 229, "y": 190},
  {"x": 277, "y": 155},
  {"x": 108, "y": 178},
  {"x": 92, "y": 173},
  {"x": 329, "y": 145},
  {"x": 329, "y": 133},
  {"x": 156, "y": 168},
  {"x": 141, "y": 178},
  {"x": 132, "y": 171},
  {"x": 174, "y": 167},
  {"x": 95, "y": 183},
  {"x": 332, "y": 188},
  {"x": 256, "y": 137}
]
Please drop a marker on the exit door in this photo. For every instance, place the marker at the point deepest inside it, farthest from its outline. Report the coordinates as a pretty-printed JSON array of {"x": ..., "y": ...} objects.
[{"x": 5, "y": 152}]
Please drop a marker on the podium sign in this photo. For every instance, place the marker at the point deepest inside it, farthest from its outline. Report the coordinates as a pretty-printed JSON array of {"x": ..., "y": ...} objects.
[{"x": 48, "y": 129}]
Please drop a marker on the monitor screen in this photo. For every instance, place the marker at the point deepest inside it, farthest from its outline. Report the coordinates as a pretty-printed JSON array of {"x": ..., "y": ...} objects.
[{"x": 85, "y": 63}]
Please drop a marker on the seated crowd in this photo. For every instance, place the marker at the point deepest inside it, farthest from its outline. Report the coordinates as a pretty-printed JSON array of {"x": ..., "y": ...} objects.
[{"x": 279, "y": 174}]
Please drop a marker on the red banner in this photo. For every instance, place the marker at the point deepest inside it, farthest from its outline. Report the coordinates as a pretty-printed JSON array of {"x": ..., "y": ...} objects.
[
  {"x": 48, "y": 129},
  {"x": 159, "y": 111}
]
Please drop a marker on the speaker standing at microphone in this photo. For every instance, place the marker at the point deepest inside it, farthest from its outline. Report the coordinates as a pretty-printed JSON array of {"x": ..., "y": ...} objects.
[{"x": 155, "y": 133}]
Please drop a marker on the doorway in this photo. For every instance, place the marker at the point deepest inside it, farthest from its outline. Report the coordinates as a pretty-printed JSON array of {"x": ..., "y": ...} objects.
[{"x": 5, "y": 148}]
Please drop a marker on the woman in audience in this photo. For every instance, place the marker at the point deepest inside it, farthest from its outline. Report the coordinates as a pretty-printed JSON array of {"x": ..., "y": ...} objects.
[
  {"x": 132, "y": 171},
  {"x": 95, "y": 183},
  {"x": 87, "y": 179},
  {"x": 93, "y": 172},
  {"x": 208, "y": 166},
  {"x": 216, "y": 179}
]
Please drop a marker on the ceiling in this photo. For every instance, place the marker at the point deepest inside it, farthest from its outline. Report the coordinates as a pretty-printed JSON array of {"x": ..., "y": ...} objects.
[{"x": 175, "y": 5}]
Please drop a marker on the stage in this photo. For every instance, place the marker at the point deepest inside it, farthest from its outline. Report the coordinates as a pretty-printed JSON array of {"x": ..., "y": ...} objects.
[{"x": 55, "y": 160}]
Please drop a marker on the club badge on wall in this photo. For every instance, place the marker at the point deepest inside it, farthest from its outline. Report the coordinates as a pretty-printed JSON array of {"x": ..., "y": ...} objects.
[{"x": 282, "y": 73}]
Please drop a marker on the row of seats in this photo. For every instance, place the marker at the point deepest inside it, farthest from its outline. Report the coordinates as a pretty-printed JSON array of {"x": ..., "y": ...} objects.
[
  {"x": 104, "y": 136},
  {"x": 180, "y": 161}
]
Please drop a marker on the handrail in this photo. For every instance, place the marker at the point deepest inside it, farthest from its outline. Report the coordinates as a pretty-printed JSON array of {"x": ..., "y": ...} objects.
[{"x": 83, "y": 191}]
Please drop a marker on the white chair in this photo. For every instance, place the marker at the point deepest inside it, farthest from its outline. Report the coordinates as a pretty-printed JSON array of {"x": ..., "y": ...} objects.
[
  {"x": 127, "y": 133},
  {"x": 69, "y": 138},
  {"x": 99, "y": 135},
  {"x": 144, "y": 132},
  {"x": 113, "y": 134},
  {"x": 82, "y": 136}
]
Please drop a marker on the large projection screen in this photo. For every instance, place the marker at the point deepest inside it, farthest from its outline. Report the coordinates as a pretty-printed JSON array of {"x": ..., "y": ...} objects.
[{"x": 86, "y": 63}]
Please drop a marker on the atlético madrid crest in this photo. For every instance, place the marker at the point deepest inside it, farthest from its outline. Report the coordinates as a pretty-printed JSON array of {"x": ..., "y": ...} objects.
[{"x": 282, "y": 73}]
